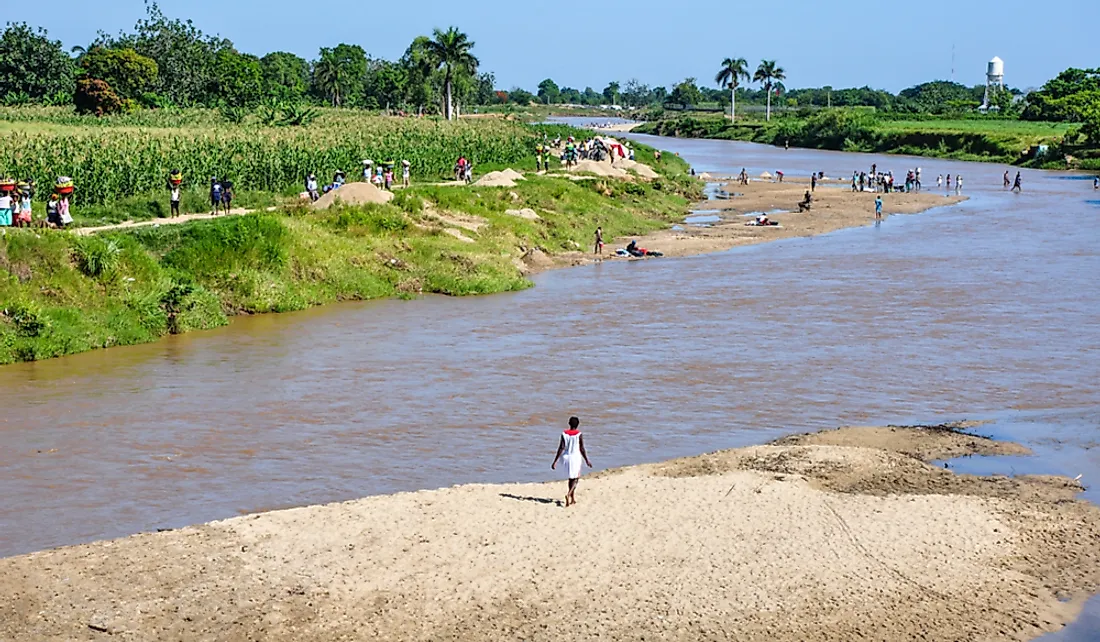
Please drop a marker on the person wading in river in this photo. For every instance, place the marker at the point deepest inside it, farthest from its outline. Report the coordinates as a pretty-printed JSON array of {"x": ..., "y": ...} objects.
[
  {"x": 571, "y": 446},
  {"x": 599, "y": 241}
]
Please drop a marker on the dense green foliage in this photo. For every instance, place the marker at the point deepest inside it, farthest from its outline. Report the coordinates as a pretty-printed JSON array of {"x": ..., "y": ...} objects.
[
  {"x": 127, "y": 72},
  {"x": 862, "y": 130},
  {"x": 33, "y": 67}
]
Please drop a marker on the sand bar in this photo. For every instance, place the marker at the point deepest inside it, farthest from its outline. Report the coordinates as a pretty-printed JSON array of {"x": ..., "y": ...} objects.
[
  {"x": 834, "y": 208},
  {"x": 845, "y": 534}
]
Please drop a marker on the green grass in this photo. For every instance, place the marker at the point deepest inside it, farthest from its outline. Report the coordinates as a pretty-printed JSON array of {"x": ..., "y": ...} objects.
[{"x": 62, "y": 294}]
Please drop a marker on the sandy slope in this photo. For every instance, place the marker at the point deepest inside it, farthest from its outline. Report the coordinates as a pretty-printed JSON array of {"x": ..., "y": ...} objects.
[{"x": 837, "y": 536}]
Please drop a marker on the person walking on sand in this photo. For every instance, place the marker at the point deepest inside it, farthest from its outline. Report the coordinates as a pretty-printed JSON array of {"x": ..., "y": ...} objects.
[
  {"x": 813, "y": 182},
  {"x": 1018, "y": 185},
  {"x": 599, "y": 241},
  {"x": 571, "y": 451}
]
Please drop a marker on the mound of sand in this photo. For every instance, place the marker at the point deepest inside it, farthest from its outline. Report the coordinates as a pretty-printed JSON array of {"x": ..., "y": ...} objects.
[
  {"x": 503, "y": 178},
  {"x": 526, "y": 213},
  {"x": 641, "y": 169},
  {"x": 353, "y": 194},
  {"x": 599, "y": 169},
  {"x": 765, "y": 175}
]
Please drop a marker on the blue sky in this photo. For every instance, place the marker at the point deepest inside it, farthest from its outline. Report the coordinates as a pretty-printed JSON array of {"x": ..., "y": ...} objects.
[{"x": 660, "y": 43}]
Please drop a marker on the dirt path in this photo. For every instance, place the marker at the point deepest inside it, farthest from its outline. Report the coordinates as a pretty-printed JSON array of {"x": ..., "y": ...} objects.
[
  {"x": 156, "y": 222},
  {"x": 837, "y": 536}
]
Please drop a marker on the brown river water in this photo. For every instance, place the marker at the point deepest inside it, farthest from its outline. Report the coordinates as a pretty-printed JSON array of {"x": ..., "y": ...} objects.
[{"x": 987, "y": 310}]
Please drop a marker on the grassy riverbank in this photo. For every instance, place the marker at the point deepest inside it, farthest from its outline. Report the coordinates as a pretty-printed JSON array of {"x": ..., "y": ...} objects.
[
  {"x": 61, "y": 293},
  {"x": 991, "y": 140}
]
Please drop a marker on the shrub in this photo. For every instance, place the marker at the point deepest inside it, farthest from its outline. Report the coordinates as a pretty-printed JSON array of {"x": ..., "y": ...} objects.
[
  {"x": 97, "y": 256},
  {"x": 27, "y": 317},
  {"x": 96, "y": 97}
]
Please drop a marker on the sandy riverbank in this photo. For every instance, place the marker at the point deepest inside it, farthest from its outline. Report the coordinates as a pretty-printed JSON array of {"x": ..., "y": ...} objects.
[
  {"x": 834, "y": 208},
  {"x": 844, "y": 534}
]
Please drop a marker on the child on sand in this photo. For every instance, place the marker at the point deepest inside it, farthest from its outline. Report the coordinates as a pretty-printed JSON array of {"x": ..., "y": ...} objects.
[
  {"x": 878, "y": 208},
  {"x": 571, "y": 445}
]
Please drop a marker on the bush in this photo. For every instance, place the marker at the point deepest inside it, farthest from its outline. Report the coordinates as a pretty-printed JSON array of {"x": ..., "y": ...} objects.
[
  {"x": 28, "y": 318},
  {"x": 97, "y": 256},
  {"x": 96, "y": 97}
]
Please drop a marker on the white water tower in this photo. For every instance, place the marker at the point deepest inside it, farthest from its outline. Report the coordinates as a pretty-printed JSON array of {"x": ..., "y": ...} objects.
[{"x": 994, "y": 79}]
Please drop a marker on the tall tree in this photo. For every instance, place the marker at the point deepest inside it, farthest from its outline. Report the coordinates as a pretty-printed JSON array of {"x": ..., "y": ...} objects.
[
  {"x": 611, "y": 92},
  {"x": 286, "y": 76},
  {"x": 450, "y": 50},
  {"x": 340, "y": 72},
  {"x": 185, "y": 56},
  {"x": 549, "y": 92},
  {"x": 127, "y": 72},
  {"x": 768, "y": 74},
  {"x": 686, "y": 94},
  {"x": 733, "y": 71},
  {"x": 419, "y": 67},
  {"x": 33, "y": 65},
  {"x": 237, "y": 79}
]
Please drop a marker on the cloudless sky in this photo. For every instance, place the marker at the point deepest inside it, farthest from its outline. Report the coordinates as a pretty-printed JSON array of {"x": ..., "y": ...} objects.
[{"x": 578, "y": 44}]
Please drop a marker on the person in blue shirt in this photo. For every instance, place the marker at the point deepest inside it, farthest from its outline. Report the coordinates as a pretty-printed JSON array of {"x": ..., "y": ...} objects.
[{"x": 878, "y": 208}]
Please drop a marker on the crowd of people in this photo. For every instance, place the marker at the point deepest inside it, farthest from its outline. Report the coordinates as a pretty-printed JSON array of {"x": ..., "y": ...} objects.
[
  {"x": 595, "y": 148},
  {"x": 16, "y": 198},
  {"x": 381, "y": 175}
]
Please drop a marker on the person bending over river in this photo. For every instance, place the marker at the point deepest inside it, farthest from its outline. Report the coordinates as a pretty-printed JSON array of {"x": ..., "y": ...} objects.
[{"x": 571, "y": 446}]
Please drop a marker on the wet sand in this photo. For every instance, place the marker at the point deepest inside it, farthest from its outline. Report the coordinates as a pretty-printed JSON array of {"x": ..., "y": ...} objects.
[
  {"x": 844, "y": 534},
  {"x": 833, "y": 208}
]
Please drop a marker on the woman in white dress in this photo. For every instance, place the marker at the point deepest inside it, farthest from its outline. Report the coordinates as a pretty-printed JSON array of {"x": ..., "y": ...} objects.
[{"x": 571, "y": 446}]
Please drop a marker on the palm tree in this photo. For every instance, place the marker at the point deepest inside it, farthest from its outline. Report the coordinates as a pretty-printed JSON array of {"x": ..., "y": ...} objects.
[
  {"x": 733, "y": 71},
  {"x": 450, "y": 50},
  {"x": 330, "y": 76},
  {"x": 769, "y": 75}
]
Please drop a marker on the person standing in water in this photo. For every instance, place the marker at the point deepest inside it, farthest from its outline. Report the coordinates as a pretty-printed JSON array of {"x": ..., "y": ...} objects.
[
  {"x": 599, "y": 241},
  {"x": 1007, "y": 182},
  {"x": 958, "y": 184},
  {"x": 1017, "y": 185},
  {"x": 571, "y": 451},
  {"x": 878, "y": 208}
]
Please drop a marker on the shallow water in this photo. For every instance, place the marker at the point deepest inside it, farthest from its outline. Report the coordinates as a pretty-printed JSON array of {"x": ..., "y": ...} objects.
[{"x": 971, "y": 312}]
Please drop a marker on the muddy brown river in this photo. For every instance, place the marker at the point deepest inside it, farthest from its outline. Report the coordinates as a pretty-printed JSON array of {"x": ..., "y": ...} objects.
[{"x": 987, "y": 310}]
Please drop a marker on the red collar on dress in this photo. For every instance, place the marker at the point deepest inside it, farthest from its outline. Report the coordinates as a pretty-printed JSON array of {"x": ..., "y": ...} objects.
[{"x": 572, "y": 433}]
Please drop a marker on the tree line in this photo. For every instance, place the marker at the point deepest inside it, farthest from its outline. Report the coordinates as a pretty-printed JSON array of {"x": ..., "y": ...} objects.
[{"x": 166, "y": 62}]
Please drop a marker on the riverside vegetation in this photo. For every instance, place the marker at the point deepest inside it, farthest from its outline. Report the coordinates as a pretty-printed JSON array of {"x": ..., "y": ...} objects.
[
  {"x": 61, "y": 293},
  {"x": 857, "y": 130}
]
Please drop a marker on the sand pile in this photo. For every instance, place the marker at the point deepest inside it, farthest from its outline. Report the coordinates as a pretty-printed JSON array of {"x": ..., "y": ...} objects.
[
  {"x": 599, "y": 169},
  {"x": 503, "y": 178},
  {"x": 353, "y": 194},
  {"x": 641, "y": 169}
]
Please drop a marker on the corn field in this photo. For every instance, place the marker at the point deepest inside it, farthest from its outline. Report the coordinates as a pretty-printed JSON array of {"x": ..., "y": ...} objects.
[{"x": 107, "y": 163}]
